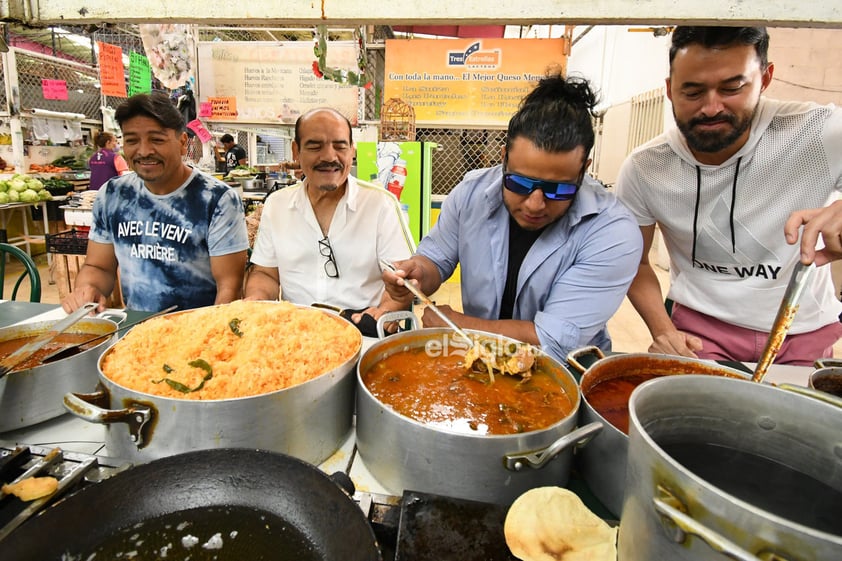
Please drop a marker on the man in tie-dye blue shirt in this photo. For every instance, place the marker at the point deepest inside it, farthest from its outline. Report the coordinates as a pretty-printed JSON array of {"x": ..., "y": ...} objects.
[{"x": 177, "y": 235}]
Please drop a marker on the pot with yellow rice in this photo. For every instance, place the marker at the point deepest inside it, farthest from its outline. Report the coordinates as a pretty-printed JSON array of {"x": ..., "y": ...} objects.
[{"x": 266, "y": 375}]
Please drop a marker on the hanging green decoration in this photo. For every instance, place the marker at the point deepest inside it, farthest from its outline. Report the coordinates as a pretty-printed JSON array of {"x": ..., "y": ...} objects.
[{"x": 340, "y": 75}]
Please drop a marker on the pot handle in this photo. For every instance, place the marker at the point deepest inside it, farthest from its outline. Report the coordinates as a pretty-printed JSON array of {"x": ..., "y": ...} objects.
[
  {"x": 400, "y": 315},
  {"x": 827, "y": 362},
  {"x": 815, "y": 394},
  {"x": 138, "y": 417},
  {"x": 117, "y": 316},
  {"x": 574, "y": 355},
  {"x": 678, "y": 524},
  {"x": 538, "y": 459}
]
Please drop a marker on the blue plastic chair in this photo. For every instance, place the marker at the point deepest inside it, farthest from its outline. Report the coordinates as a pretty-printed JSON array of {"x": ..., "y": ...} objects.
[{"x": 29, "y": 270}]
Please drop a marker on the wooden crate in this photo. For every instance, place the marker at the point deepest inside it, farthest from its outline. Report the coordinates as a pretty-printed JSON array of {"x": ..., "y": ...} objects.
[{"x": 63, "y": 271}]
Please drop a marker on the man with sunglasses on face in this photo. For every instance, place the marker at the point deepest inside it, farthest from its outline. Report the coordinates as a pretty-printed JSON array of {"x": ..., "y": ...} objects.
[
  {"x": 546, "y": 253},
  {"x": 727, "y": 187}
]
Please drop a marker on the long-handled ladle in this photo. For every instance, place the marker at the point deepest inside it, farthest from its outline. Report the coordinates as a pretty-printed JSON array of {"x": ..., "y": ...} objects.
[{"x": 783, "y": 321}]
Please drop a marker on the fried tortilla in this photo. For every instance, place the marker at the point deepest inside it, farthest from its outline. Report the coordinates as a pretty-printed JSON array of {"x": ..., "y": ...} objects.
[{"x": 553, "y": 524}]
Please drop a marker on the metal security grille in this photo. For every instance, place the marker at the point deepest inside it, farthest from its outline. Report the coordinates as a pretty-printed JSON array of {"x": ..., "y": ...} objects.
[
  {"x": 647, "y": 117},
  {"x": 82, "y": 84},
  {"x": 460, "y": 151},
  {"x": 2, "y": 90},
  {"x": 373, "y": 97}
]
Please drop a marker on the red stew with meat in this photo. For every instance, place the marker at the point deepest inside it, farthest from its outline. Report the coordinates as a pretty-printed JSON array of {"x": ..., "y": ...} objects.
[{"x": 441, "y": 392}]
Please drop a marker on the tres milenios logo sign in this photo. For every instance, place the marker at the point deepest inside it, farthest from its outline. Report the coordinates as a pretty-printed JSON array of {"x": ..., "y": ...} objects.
[
  {"x": 477, "y": 82},
  {"x": 475, "y": 58}
]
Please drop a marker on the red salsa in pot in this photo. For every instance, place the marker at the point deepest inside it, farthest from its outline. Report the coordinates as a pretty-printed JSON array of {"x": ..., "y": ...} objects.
[{"x": 610, "y": 398}]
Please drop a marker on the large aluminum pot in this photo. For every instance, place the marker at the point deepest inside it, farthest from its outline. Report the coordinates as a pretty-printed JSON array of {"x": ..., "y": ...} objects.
[
  {"x": 671, "y": 513},
  {"x": 308, "y": 421},
  {"x": 602, "y": 462},
  {"x": 404, "y": 454},
  {"x": 34, "y": 395}
]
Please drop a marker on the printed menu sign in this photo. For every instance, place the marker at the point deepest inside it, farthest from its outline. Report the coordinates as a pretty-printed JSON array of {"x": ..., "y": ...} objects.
[
  {"x": 140, "y": 74},
  {"x": 54, "y": 89},
  {"x": 467, "y": 81},
  {"x": 112, "y": 75},
  {"x": 272, "y": 82}
]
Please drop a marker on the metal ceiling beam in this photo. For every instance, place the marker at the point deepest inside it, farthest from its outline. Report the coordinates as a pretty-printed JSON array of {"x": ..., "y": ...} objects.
[{"x": 784, "y": 13}]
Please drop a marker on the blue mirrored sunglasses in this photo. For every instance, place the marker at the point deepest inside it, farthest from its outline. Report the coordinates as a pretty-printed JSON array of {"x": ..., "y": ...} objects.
[{"x": 553, "y": 190}]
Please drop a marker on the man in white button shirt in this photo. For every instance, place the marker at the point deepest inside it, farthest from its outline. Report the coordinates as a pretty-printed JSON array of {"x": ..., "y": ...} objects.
[{"x": 320, "y": 241}]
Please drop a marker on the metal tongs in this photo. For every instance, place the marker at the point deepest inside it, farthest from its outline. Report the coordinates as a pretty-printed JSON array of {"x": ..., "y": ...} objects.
[
  {"x": 783, "y": 321},
  {"x": 26, "y": 351},
  {"x": 429, "y": 303},
  {"x": 77, "y": 347}
]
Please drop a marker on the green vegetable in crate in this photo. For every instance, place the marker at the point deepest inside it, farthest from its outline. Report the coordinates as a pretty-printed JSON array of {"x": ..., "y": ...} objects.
[
  {"x": 17, "y": 184},
  {"x": 64, "y": 161},
  {"x": 14, "y": 196},
  {"x": 4, "y": 186},
  {"x": 57, "y": 186},
  {"x": 4, "y": 198}
]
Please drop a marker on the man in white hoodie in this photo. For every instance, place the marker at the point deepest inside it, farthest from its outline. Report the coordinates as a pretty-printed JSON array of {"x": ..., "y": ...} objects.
[{"x": 729, "y": 189}]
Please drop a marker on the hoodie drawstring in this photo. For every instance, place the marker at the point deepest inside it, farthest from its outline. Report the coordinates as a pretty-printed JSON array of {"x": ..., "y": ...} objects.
[
  {"x": 696, "y": 210},
  {"x": 733, "y": 205},
  {"x": 731, "y": 217}
]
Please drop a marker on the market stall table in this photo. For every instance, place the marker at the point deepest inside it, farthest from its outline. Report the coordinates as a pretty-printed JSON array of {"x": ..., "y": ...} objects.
[{"x": 26, "y": 240}]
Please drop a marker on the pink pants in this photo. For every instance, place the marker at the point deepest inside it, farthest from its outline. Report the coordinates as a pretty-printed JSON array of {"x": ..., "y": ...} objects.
[{"x": 724, "y": 341}]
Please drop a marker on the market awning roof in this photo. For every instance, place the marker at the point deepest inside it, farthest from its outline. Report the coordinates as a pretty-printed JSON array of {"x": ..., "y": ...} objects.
[{"x": 465, "y": 31}]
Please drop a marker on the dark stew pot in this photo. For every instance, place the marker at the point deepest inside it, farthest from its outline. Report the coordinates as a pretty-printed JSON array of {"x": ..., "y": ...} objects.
[
  {"x": 606, "y": 386},
  {"x": 220, "y": 504}
]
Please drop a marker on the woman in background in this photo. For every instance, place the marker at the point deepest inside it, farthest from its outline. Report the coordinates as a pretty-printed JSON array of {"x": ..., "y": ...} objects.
[{"x": 106, "y": 162}]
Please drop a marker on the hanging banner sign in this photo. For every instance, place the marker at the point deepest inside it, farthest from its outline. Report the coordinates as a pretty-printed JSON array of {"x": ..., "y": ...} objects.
[
  {"x": 467, "y": 81},
  {"x": 112, "y": 75},
  {"x": 140, "y": 74},
  {"x": 196, "y": 126},
  {"x": 273, "y": 82},
  {"x": 54, "y": 89}
]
